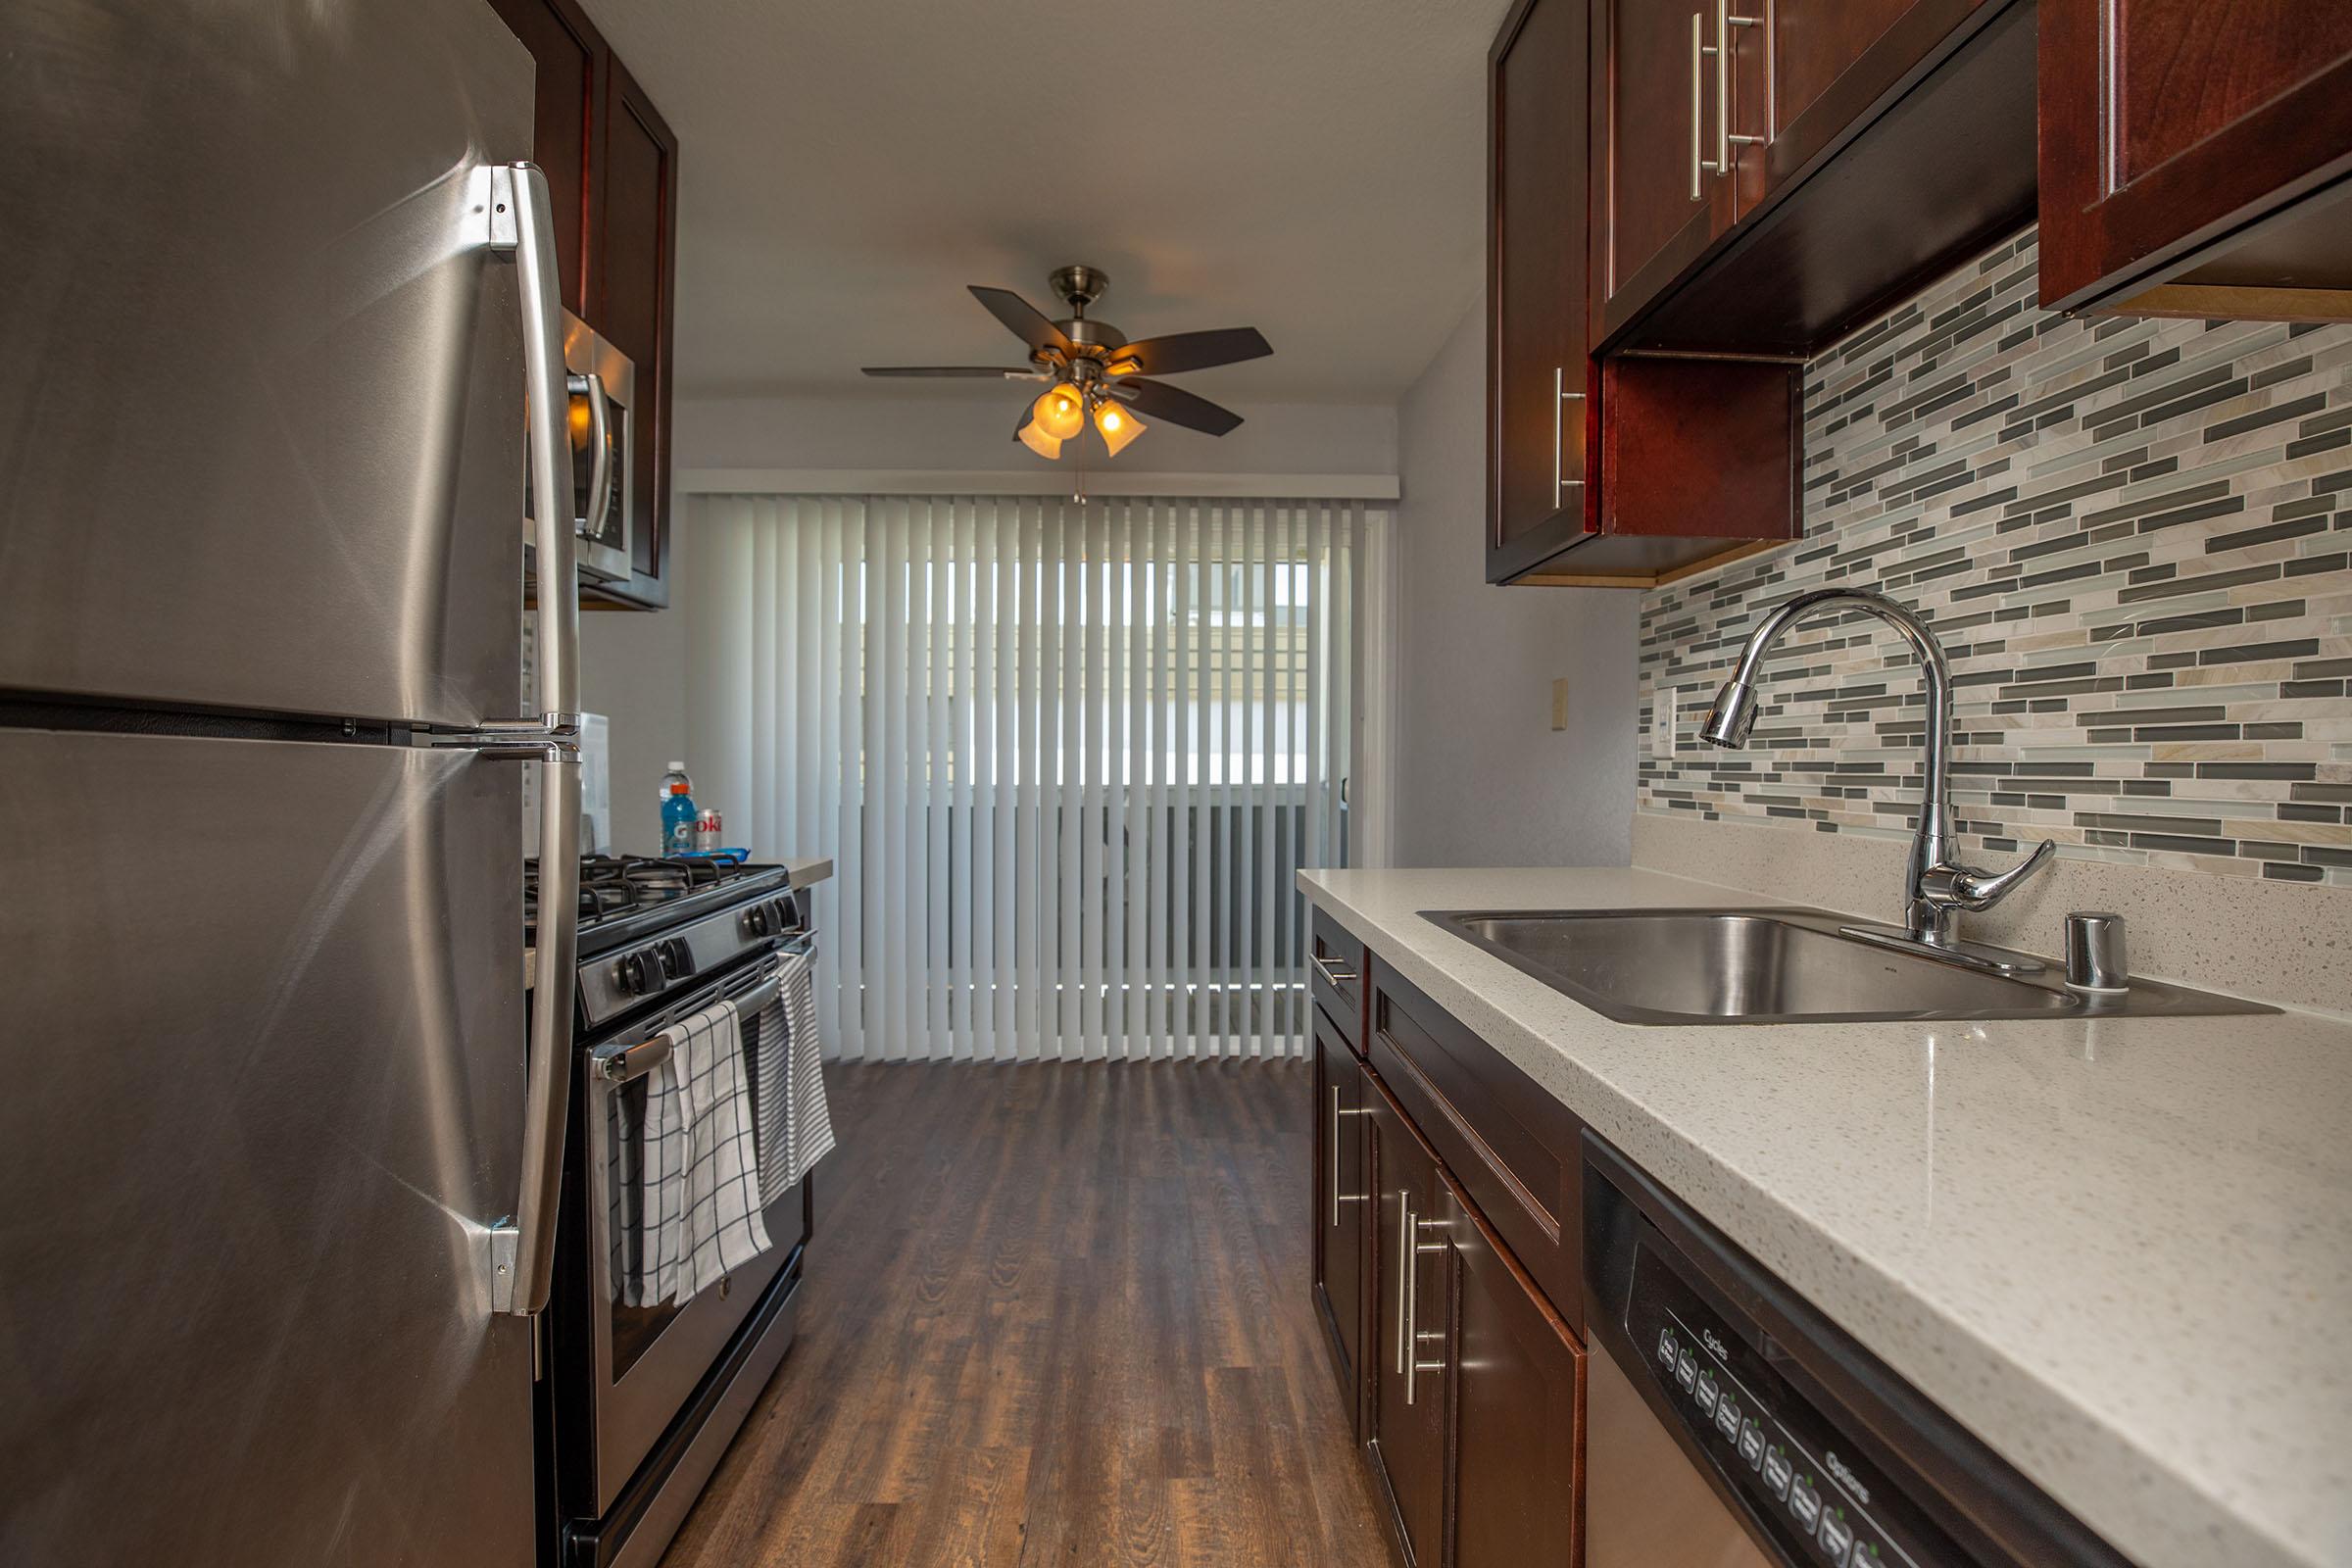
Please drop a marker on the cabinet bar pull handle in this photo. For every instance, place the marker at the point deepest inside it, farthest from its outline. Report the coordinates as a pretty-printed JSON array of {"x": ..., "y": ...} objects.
[
  {"x": 1405, "y": 1274},
  {"x": 1561, "y": 395},
  {"x": 1559, "y": 376},
  {"x": 1699, "y": 99},
  {"x": 1408, "y": 1343},
  {"x": 1725, "y": 21},
  {"x": 1337, "y": 1197},
  {"x": 1331, "y": 973}
]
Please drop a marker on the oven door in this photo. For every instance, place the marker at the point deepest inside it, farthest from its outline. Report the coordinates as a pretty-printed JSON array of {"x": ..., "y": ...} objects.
[
  {"x": 648, "y": 1357},
  {"x": 603, "y": 396}
]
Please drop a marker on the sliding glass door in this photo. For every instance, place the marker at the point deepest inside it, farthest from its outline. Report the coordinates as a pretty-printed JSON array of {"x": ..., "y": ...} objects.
[{"x": 1067, "y": 756}]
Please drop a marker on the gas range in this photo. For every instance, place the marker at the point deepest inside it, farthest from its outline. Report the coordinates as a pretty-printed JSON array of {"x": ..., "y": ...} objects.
[
  {"x": 648, "y": 925},
  {"x": 641, "y": 1396}
]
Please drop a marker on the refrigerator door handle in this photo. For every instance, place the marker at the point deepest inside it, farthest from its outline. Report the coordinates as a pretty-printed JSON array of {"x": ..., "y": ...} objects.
[{"x": 518, "y": 224}]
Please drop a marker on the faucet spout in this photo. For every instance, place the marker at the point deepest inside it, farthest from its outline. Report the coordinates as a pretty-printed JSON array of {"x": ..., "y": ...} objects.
[{"x": 1933, "y": 883}]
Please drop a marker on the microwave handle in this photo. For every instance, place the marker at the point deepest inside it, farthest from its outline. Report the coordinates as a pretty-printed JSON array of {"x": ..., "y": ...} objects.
[{"x": 600, "y": 442}]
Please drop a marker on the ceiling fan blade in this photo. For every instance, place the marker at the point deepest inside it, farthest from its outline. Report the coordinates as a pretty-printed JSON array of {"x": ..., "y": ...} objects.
[
  {"x": 975, "y": 371},
  {"x": 1022, "y": 319},
  {"x": 1194, "y": 351},
  {"x": 1161, "y": 401}
]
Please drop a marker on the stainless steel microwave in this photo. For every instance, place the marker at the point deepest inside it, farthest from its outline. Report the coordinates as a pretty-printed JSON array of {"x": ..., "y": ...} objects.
[{"x": 604, "y": 398}]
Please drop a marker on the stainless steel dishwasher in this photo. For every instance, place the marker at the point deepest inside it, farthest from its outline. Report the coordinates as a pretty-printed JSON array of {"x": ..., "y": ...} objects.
[{"x": 1729, "y": 1425}]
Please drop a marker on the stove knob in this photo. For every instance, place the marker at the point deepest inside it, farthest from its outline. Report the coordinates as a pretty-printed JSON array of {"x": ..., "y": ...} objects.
[
  {"x": 677, "y": 957},
  {"x": 787, "y": 917},
  {"x": 755, "y": 921},
  {"x": 630, "y": 973}
]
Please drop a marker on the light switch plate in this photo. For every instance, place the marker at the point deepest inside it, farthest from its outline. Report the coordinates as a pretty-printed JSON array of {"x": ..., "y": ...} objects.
[{"x": 1662, "y": 718}]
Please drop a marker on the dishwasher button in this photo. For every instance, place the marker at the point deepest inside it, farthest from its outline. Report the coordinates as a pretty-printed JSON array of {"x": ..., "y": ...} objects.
[
  {"x": 1727, "y": 1418},
  {"x": 1835, "y": 1536},
  {"x": 1751, "y": 1445},
  {"x": 1667, "y": 1348},
  {"x": 1705, "y": 1394},
  {"x": 1804, "y": 1502},
  {"x": 1777, "y": 1471},
  {"x": 1685, "y": 1370}
]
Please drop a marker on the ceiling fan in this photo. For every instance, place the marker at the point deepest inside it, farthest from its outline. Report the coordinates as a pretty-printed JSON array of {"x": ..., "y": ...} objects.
[{"x": 1095, "y": 371}]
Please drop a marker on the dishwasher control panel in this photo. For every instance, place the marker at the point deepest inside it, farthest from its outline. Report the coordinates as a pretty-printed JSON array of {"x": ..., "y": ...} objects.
[{"x": 1818, "y": 1498}]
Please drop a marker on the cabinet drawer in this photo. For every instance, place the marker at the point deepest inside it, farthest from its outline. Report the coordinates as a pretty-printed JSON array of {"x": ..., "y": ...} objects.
[
  {"x": 1506, "y": 1141},
  {"x": 1335, "y": 976}
]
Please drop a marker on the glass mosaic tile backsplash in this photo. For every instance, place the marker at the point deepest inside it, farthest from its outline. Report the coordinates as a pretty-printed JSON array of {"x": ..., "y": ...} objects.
[{"x": 2131, "y": 537}]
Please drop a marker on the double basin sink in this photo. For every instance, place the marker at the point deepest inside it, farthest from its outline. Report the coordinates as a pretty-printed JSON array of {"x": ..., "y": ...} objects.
[{"x": 1778, "y": 965}]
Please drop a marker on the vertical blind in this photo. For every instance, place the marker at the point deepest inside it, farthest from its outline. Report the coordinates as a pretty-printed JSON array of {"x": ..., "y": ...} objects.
[{"x": 1067, "y": 757}]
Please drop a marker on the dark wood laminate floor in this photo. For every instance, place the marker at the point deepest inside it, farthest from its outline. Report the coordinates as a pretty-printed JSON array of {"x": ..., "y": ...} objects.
[{"x": 1056, "y": 1313}]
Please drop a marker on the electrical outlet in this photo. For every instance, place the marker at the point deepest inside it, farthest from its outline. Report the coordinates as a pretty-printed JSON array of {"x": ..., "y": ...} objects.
[
  {"x": 1559, "y": 702},
  {"x": 1662, "y": 719}
]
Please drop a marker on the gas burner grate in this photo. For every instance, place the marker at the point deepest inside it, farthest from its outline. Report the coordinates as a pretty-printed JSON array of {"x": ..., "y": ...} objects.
[{"x": 619, "y": 884}]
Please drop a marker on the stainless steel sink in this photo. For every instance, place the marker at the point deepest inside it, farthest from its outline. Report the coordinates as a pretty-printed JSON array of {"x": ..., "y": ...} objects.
[{"x": 1778, "y": 965}]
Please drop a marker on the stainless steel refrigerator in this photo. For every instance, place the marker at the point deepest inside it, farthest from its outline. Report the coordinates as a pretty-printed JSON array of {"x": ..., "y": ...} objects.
[{"x": 278, "y": 1162}]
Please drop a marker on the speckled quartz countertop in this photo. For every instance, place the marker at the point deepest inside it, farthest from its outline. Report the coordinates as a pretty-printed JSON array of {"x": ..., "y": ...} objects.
[{"x": 2120, "y": 1250}]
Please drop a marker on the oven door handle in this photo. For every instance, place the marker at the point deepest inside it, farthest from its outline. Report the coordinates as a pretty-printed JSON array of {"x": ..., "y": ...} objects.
[{"x": 620, "y": 1064}]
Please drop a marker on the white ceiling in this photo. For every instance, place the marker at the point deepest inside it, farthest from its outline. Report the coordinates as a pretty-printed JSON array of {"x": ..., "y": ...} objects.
[{"x": 1311, "y": 168}]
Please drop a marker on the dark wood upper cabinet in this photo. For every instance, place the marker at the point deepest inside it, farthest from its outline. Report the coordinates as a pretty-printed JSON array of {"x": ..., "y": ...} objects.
[
  {"x": 636, "y": 301},
  {"x": 612, "y": 172},
  {"x": 1542, "y": 418},
  {"x": 1872, "y": 144},
  {"x": 1514, "y": 1377},
  {"x": 1584, "y": 190},
  {"x": 1341, "y": 1204},
  {"x": 571, "y": 57},
  {"x": 1657, "y": 136},
  {"x": 2197, "y": 156}
]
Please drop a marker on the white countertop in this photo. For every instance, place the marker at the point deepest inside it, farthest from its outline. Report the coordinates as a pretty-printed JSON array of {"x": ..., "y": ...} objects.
[
  {"x": 2120, "y": 1250},
  {"x": 809, "y": 870}
]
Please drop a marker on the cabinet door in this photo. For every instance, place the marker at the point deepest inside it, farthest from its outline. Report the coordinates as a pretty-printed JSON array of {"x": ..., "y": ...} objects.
[
  {"x": 1813, "y": 42},
  {"x": 2168, "y": 124},
  {"x": 1536, "y": 397},
  {"x": 1657, "y": 117},
  {"x": 1514, "y": 1375},
  {"x": 571, "y": 57},
  {"x": 1342, "y": 1201},
  {"x": 1406, "y": 1421},
  {"x": 636, "y": 298}
]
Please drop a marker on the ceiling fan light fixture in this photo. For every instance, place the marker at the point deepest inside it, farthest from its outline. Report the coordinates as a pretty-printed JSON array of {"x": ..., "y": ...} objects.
[
  {"x": 1060, "y": 412},
  {"x": 1117, "y": 424},
  {"x": 1034, "y": 437}
]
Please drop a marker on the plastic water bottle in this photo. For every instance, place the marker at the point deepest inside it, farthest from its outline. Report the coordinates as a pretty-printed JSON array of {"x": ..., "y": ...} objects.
[{"x": 677, "y": 811}]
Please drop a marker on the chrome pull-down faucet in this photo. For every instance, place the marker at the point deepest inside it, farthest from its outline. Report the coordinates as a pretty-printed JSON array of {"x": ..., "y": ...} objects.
[{"x": 1936, "y": 887}]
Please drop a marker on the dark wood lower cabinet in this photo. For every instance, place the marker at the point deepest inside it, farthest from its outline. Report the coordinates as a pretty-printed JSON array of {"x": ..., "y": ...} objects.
[
  {"x": 1342, "y": 1202},
  {"x": 1515, "y": 1396},
  {"x": 1472, "y": 1394},
  {"x": 1407, "y": 1390}
]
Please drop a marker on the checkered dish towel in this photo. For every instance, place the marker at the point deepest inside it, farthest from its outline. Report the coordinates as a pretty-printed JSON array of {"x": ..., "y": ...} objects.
[{"x": 702, "y": 1168}]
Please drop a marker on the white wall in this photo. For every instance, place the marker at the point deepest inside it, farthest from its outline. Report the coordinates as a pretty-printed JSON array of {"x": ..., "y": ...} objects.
[
  {"x": 633, "y": 671},
  {"x": 633, "y": 665},
  {"x": 1481, "y": 778},
  {"x": 970, "y": 429}
]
